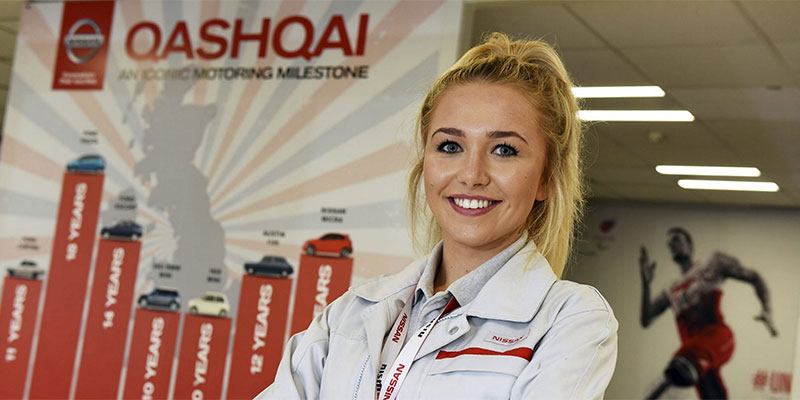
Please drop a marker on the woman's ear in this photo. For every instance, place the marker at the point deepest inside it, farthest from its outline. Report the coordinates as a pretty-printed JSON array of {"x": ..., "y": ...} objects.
[{"x": 542, "y": 192}]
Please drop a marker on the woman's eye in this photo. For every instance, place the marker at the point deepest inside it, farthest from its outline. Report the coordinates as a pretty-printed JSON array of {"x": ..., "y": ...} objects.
[
  {"x": 505, "y": 150},
  {"x": 449, "y": 147}
]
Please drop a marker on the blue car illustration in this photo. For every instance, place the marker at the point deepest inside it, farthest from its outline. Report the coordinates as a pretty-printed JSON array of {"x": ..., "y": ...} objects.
[
  {"x": 125, "y": 228},
  {"x": 161, "y": 298},
  {"x": 87, "y": 164}
]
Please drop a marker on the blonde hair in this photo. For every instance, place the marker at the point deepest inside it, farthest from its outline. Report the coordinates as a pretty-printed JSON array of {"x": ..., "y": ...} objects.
[{"x": 534, "y": 68}]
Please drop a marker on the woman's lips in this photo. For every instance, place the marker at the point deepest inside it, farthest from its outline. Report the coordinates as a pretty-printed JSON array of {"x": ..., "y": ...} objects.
[{"x": 468, "y": 201}]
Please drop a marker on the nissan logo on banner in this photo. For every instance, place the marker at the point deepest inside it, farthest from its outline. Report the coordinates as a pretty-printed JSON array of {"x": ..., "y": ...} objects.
[
  {"x": 83, "y": 42},
  {"x": 77, "y": 41}
]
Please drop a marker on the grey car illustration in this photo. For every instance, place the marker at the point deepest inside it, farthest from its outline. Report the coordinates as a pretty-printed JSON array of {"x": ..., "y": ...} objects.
[
  {"x": 161, "y": 298},
  {"x": 269, "y": 265}
]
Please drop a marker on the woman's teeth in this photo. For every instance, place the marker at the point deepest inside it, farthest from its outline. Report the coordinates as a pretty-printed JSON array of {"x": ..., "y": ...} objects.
[{"x": 472, "y": 203}]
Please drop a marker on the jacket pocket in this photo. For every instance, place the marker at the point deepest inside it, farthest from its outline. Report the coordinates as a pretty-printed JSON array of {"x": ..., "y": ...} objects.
[
  {"x": 479, "y": 363},
  {"x": 472, "y": 376}
]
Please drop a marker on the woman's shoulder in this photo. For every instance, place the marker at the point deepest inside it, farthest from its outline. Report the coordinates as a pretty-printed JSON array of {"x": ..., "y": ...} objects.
[
  {"x": 572, "y": 298},
  {"x": 387, "y": 285}
]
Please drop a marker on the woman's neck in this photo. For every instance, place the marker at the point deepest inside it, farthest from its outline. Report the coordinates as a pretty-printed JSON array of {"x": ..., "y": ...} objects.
[{"x": 459, "y": 259}]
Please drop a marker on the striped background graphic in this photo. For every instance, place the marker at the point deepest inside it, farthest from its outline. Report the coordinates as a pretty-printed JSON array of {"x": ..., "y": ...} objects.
[{"x": 213, "y": 164}]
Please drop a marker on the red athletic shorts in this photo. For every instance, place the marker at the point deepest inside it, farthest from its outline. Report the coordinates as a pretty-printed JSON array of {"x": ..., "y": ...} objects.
[{"x": 708, "y": 348}]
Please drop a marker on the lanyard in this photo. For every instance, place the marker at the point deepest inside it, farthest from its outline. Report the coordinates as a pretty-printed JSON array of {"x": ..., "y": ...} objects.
[{"x": 389, "y": 381}]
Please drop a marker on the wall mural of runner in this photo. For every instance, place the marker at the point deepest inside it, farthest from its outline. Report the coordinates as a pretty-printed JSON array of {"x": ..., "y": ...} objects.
[{"x": 729, "y": 277}]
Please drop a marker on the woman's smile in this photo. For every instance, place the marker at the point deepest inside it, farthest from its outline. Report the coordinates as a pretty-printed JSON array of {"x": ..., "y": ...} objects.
[{"x": 472, "y": 205}]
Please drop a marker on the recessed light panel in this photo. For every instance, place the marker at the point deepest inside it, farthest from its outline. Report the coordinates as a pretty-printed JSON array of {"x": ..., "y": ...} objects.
[
  {"x": 636, "y": 115},
  {"x": 728, "y": 185},
  {"x": 596, "y": 92},
  {"x": 707, "y": 171}
]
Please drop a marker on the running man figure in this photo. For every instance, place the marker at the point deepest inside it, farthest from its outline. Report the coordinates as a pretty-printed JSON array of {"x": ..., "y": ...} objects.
[{"x": 706, "y": 341}]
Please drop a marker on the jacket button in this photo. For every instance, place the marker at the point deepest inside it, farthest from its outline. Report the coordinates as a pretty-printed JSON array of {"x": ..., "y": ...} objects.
[{"x": 453, "y": 330}]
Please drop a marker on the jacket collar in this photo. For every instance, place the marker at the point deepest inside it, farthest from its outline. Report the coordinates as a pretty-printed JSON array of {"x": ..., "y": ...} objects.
[
  {"x": 514, "y": 293},
  {"x": 517, "y": 290},
  {"x": 387, "y": 293}
]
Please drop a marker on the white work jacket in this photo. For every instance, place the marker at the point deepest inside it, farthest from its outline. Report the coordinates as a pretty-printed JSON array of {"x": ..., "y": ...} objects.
[{"x": 568, "y": 330}]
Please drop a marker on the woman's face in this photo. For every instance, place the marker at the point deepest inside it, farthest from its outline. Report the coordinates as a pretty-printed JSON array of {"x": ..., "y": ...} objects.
[{"x": 483, "y": 164}]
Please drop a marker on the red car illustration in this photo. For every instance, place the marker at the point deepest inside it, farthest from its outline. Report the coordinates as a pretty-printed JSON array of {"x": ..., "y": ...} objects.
[{"x": 331, "y": 243}]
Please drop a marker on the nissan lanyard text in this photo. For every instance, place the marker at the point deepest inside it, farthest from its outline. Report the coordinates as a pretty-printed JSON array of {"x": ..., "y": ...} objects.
[{"x": 389, "y": 381}]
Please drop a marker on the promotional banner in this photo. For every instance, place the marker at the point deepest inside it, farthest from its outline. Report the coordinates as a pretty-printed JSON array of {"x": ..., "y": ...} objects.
[
  {"x": 228, "y": 140},
  {"x": 706, "y": 299}
]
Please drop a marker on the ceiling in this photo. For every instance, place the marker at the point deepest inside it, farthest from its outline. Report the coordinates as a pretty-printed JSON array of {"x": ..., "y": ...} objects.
[{"x": 734, "y": 64}]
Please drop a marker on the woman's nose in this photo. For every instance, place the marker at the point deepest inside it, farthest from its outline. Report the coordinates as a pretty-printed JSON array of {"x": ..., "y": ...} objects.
[{"x": 474, "y": 170}]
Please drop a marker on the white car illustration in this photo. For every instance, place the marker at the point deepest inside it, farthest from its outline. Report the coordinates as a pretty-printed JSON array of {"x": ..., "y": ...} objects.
[
  {"x": 26, "y": 269},
  {"x": 212, "y": 303}
]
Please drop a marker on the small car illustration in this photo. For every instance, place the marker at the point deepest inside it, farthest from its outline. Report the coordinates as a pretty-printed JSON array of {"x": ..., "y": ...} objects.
[
  {"x": 87, "y": 164},
  {"x": 122, "y": 229},
  {"x": 331, "y": 243},
  {"x": 26, "y": 269},
  {"x": 269, "y": 265},
  {"x": 212, "y": 303},
  {"x": 161, "y": 298}
]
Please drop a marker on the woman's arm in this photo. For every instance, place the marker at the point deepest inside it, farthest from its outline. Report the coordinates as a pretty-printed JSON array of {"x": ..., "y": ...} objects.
[{"x": 575, "y": 359}]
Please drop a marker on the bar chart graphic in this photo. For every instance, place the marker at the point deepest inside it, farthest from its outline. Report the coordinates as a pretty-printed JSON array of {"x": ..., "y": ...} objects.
[
  {"x": 65, "y": 289},
  {"x": 107, "y": 322},
  {"x": 201, "y": 360},
  {"x": 17, "y": 313},
  {"x": 321, "y": 280},
  {"x": 260, "y": 327},
  {"x": 151, "y": 355}
]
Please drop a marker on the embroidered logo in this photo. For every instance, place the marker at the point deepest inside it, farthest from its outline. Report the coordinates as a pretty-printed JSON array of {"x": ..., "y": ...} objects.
[{"x": 505, "y": 339}]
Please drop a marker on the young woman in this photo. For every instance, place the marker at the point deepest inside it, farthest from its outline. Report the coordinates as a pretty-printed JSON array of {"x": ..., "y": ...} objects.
[{"x": 484, "y": 315}]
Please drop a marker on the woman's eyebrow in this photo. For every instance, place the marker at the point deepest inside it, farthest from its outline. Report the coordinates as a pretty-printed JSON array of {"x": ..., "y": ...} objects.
[
  {"x": 449, "y": 131},
  {"x": 505, "y": 134},
  {"x": 492, "y": 135}
]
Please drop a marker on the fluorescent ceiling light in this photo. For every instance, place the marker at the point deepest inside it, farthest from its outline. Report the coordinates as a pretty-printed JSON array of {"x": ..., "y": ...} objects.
[
  {"x": 707, "y": 171},
  {"x": 593, "y": 92},
  {"x": 636, "y": 115},
  {"x": 728, "y": 185}
]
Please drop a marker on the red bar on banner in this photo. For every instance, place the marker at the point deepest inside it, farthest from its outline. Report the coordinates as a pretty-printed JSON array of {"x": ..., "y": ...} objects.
[
  {"x": 83, "y": 45},
  {"x": 201, "y": 361},
  {"x": 107, "y": 323},
  {"x": 260, "y": 327},
  {"x": 73, "y": 243},
  {"x": 320, "y": 281},
  {"x": 150, "y": 359},
  {"x": 18, "y": 308}
]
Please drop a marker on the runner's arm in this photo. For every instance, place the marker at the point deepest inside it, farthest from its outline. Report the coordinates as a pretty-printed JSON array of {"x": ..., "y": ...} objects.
[
  {"x": 732, "y": 268},
  {"x": 650, "y": 308}
]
